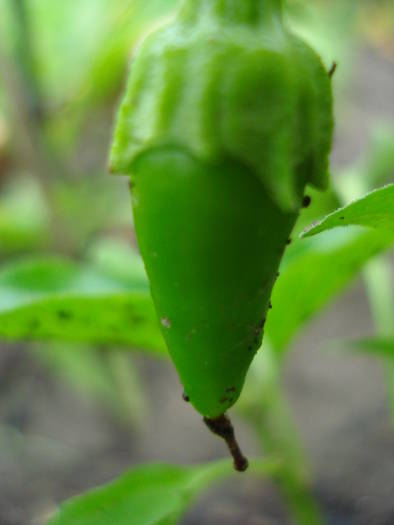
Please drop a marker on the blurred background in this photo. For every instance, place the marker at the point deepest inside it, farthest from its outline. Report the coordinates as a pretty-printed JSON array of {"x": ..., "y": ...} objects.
[{"x": 76, "y": 414}]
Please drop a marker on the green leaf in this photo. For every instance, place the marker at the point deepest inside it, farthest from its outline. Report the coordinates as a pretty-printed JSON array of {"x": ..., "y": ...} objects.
[
  {"x": 383, "y": 347},
  {"x": 374, "y": 210},
  {"x": 314, "y": 271},
  {"x": 378, "y": 168},
  {"x": 55, "y": 299},
  {"x": 117, "y": 258},
  {"x": 147, "y": 495},
  {"x": 23, "y": 217}
]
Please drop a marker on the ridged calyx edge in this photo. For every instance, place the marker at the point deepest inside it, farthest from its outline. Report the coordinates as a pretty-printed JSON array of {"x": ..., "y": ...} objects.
[{"x": 222, "y": 88}]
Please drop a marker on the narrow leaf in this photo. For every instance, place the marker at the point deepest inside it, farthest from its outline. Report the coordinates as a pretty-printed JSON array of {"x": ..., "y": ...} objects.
[
  {"x": 374, "y": 210},
  {"x": 313, "y": 273},
  {"x": 147, "y": 495},
  {"x": 55, "y": 299},
  {"x": 383, "y": 347}
]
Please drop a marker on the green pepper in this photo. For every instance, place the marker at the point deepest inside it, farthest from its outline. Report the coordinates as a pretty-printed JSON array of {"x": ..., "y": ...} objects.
[{"x": 226, "y": 118}]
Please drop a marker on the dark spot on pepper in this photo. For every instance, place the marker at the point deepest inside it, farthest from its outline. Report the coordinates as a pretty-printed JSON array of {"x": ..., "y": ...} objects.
[
  {"x": 64, "y": 315},
  {"x": 34, "y": 324},
  {"x": 131, "y": 316},
  {"x": 342, "y": 218},
  {"x": 270, "y": 305},
  {"x": 230, "y": 389},
  {"x": 250, "y": 348},
  {"x": 306, "y": 201},
  {"x": 185, "y": 397},
  {"x": 224, "y": 399},
  {"x": 288, "y": 242}
]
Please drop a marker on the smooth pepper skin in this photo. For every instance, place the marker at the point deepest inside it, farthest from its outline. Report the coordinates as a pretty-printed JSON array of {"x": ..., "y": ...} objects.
[{"x": 226, "y": 118}]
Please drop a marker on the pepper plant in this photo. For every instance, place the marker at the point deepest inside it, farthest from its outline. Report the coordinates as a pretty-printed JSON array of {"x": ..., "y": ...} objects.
[{"x": 224, "y": 133}]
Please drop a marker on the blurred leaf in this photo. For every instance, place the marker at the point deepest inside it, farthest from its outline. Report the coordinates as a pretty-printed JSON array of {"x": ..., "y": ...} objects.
[
  {"x": 81, "y": 48},
  {"x": 374, "y": 210},
  {"x": 147, "y": 495},
  {"x": 329, "y": 27},
  {"x": 23, "y": 217},
  {"x": 91, "y": 204},
  {"x": 383, "y": 347},
  {"x": 378, "y": 168},
  {"x": 314, "y": 271},
  {"x": 107, "y": 69},
  {"x": 55, "y": 299},
  {"x": 105, "y": 72},
  {"x": 117, "y": 258}
]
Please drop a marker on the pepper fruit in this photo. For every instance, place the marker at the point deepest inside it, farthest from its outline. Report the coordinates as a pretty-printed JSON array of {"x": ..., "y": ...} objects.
[{"x": 227, "y": 117}]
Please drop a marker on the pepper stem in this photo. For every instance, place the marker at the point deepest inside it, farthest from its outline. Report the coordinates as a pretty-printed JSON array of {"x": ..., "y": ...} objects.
[
  {"x": 222, "y": 427},
  {"x": 241, "y": 11}
]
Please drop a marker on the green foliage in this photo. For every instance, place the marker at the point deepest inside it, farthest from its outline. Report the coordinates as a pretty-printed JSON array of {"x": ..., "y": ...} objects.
[
  {"x": 383, "y": 347},
  {"x": 108, "y": 302},
  {"x": 23, "y": 218},
  {"x": 56, "y": 299},
  {"x": 375, "y": 210},
  {"x": 314, "y": 272},
  {"x": 378, "y": 167},
  {"x": 147, "y": 495}
]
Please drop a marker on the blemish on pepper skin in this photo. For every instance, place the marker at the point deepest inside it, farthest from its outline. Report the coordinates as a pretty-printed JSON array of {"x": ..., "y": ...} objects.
[
  {"x": 185, "y": 397},
  {"x": 190, "y": 334},
  {"x": 342, "y": 218},
  {"x": 288, "y": 242},
  {"x": 64, "y": 315},
  {"x": 270, "y": 305},
  {"x": 165, "y": 322},
  {"x": 34, "y": 324},
  {"x": 231, "y": 389},
  {"x": 263, "y": 288},
  {"x": 224, "y": 400},
  {"x": 306, "y": 201}
]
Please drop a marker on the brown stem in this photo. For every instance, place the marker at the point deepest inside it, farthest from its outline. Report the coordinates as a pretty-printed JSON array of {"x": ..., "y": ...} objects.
[
  {"x": 332, "y": 69},
  {"x": 222, "y": 427}
]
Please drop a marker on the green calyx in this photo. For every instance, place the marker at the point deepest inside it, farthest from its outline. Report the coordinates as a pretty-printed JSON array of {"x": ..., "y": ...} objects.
[{"x": 227, "y": 80}]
